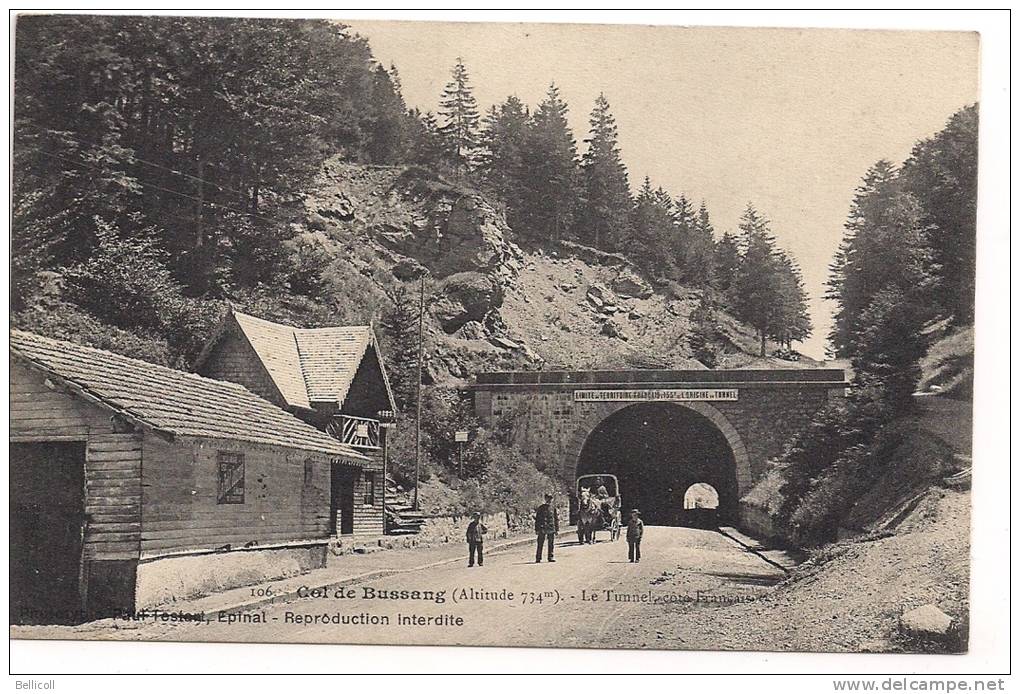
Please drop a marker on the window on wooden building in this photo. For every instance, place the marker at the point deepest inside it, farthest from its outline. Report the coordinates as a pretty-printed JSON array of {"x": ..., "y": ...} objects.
[
  {"x": 369, "y": 489},
  {"x": 230, "y": 486}
]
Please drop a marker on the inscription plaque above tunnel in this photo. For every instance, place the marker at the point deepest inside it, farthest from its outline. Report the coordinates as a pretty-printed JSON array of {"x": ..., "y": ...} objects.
[{"x": 657, "y": 395}]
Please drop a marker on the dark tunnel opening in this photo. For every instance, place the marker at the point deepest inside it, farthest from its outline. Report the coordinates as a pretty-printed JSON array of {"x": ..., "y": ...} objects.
[{"x": 658, "y": 451}]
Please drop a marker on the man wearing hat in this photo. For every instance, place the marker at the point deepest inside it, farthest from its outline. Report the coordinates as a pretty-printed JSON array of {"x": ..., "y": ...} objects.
[
  {"x": 546, "y": 527},
  {"x": 635, "y": 529},
  {"x": 475, "y": 538}
]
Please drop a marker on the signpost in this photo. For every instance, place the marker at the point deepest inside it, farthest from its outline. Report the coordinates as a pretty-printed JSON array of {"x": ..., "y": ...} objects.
[
  {"x": 460, "y": 437},
  {"x": 417, "y": 391}
]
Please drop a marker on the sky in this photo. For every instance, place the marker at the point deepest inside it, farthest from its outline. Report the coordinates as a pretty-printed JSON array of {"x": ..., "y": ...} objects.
[{"x": 787, "y": 119}]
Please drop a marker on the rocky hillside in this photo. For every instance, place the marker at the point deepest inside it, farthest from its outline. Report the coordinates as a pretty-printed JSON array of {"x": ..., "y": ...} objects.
[{"x": 493, "y": 304}]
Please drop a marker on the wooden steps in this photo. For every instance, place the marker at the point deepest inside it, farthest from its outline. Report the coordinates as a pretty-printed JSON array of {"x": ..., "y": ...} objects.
[{"x": 401, "y": 518}]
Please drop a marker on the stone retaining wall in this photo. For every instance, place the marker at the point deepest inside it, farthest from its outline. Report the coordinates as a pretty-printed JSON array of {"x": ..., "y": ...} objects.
[
  {"x": 438, "y": 529},
  {"x": 170, "y": 579}
]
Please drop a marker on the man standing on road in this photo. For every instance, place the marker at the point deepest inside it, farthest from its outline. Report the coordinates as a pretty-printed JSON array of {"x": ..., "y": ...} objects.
[
  {"x": 635, "y": 529},
  {"x": 475, "y": 538},
  {"x": 546, "y": 527}
]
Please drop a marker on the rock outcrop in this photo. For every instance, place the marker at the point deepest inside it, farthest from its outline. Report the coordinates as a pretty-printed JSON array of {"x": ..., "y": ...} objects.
[
  {"x": 465, "y": 297},
  {"x": 629, "y": 284},
  {"x": 490, "y": 304}
]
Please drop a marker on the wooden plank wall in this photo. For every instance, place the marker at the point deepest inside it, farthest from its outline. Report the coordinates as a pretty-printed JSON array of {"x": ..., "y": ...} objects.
[
  {"x": 233, "y": 359},
  {"x": 180, "y": 489},
  {"x": 368, "y": 520},
  {"x": 40, "y": 412},
  {"x": 113, "y": 496},
  {"x": 113, "y": 461}
]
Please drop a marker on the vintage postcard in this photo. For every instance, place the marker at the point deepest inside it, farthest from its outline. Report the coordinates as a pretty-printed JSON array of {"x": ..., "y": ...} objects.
[{"x": 489, "y": 334}]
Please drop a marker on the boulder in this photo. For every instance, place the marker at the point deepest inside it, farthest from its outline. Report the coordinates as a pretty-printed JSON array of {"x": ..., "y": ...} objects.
[
  {"x": 408, "y": 269},
  {"x": 599, "y": 296},
  {"x": 339, "y": 207},
  {"x": 504, "y": 342},
  {"x": 472, "y": 330},
  {"x": 464, "y": 297},
  {"x": 594, "y": 256},
  {"x": 629, "y": 285},
  {"x": 926, "y": 622},
  {"x": 613, "y": 329}
]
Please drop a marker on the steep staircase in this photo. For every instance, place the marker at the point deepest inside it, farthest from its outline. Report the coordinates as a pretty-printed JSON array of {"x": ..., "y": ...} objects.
[{"x": 401, "y": 518}]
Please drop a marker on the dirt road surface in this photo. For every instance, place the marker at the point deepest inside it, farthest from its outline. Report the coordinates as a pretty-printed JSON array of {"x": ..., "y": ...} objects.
[{"x": 591, "y": 597}]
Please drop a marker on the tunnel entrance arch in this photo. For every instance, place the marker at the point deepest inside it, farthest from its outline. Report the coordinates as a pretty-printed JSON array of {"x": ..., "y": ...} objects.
[
  {"x": 701, "y": 506},
  {"x": 658, "y": 450},
  {"x": 701, "y": 495}
]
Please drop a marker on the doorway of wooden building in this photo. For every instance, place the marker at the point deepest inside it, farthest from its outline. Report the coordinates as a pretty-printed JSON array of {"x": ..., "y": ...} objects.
[
  {"x": 342, "y": 481},
  {"x": 47, "y": 532}
]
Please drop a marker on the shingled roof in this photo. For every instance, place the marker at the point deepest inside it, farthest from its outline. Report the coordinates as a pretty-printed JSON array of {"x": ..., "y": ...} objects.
[
  {"x": 308, "y": 365},
  {"x": 172, "y": 402}
]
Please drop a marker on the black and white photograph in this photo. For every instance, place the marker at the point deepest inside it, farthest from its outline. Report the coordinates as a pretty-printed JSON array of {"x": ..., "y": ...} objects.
[{"x": 493, "y": 334}]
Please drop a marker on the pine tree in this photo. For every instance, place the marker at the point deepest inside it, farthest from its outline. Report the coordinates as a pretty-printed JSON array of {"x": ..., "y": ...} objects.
[
  {"x": 387, "y": 120},
  {"x": 793, "y": 322},
  {"x": 665, "y": 201},
  {"x": 459, "y": 110},
  {"x": 698, "y": 246},
  {"x": 425, "y": 144},
  {"x": 756, "y": 289},
  {"x": 549, "y": 191},
  {"x": 703, "y": 339},
  {"x": 501, "y": 160},
  {"x": 883, "y": 282},
  {"x": 605, "y": 190},
  {"x": 880, "y": 246},
  {"x": 683, "y": 221},
  {"x": 399, "y": 325},
  {"x": 652, "y": 228},
  {"x": 725, "y": 263},
  {"x": 941, "y": 174}
]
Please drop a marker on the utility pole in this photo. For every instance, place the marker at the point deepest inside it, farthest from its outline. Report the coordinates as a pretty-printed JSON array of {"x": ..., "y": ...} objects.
[
  {"x": 417, "y": 419},
  {"x": 461, "y": 438}
]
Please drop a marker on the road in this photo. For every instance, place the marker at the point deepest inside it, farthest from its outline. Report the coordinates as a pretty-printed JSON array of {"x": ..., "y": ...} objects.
[{"x": 592, "y": 596}]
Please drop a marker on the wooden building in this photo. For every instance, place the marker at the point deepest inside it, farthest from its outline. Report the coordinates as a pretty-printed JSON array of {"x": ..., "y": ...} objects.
[
  {"x": 332, "y": 378},
  {"x": 133, "y": 484}
]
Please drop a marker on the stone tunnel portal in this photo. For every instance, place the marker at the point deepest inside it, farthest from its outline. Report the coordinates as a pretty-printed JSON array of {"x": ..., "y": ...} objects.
[{"x": 658, "y": 451}]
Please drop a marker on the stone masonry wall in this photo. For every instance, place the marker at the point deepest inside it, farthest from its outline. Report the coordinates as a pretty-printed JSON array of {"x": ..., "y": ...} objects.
[{"x": 551, "y": 428}]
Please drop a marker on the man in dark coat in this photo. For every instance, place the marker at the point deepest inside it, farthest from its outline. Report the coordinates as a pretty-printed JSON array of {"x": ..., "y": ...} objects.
[
  {"x": 635, "y": 529},
  {"x": 475, "y": 538},
  {"x": 546, "y": 526}
]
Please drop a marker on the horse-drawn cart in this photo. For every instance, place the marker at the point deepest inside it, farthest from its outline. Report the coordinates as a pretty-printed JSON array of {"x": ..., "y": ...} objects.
[{"x": 598, "y": 505}]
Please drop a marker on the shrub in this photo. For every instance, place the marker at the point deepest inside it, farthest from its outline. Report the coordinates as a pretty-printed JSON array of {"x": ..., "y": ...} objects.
[
  {"x": 492, "y": 476},
  {"x": 125, "y": 281},
  {"x": 64, "y": 321}
]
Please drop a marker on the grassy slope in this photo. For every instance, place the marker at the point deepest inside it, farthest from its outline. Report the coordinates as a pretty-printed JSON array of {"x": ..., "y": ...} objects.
[{"x": 911, "y": 532}]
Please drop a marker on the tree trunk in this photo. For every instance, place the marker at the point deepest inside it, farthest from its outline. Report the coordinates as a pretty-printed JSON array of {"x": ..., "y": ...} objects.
[
  {"x": 199, "y": 231},
  {"x": 255, "y": 190},
  {"x": 762, "y": 352}
]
